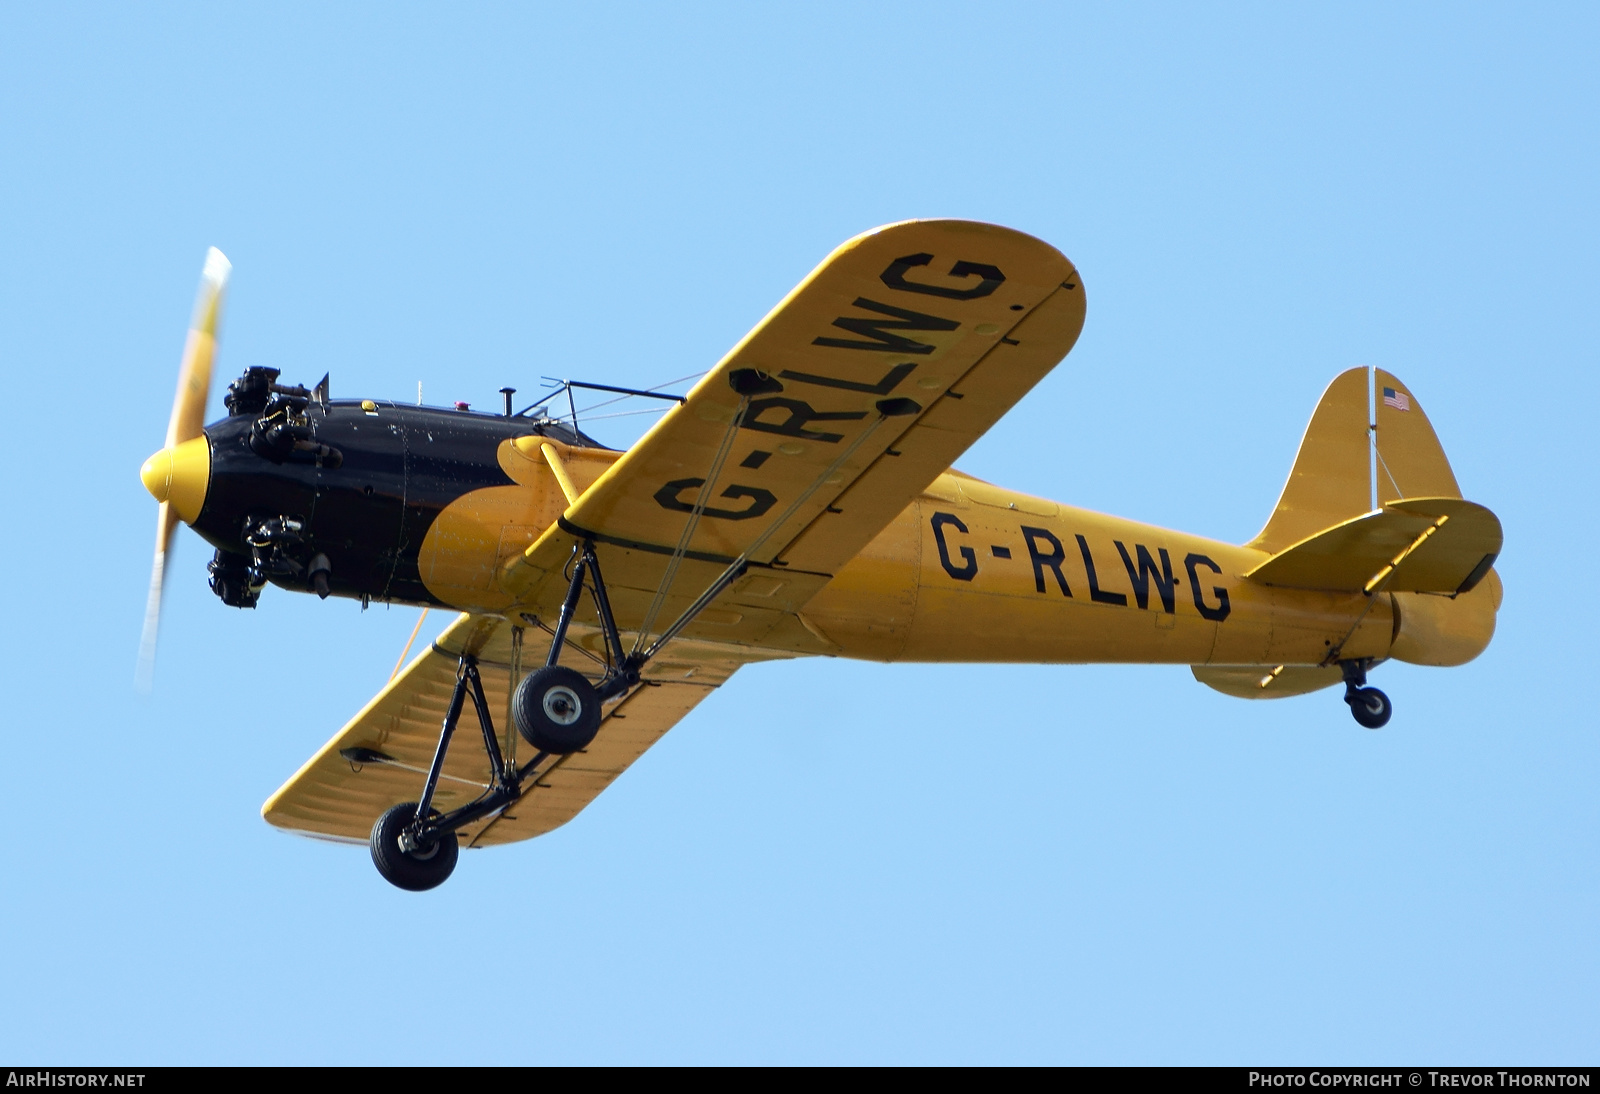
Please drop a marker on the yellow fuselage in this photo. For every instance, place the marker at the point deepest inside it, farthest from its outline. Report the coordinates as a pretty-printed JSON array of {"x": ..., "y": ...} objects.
[
  {"x": 967, "y": 572},
  {"x": 971, "y": 572}
]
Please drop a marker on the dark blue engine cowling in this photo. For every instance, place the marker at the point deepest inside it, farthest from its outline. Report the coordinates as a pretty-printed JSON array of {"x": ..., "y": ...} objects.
[{"x": 346, "y": 487}]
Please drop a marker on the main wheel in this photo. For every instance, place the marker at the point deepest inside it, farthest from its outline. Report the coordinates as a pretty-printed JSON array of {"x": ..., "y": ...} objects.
[
  {"x": 556, "y": 710},
  {"x": 418, "y": 868},
  {"x": 1370, "y": 707}
]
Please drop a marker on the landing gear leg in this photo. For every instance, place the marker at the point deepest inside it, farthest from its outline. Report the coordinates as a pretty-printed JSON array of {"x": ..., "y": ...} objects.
[
  {"x": 414, "y": 846},
  {"x": 555, "y": 708},
  {"x": 1368, "y": 706}
]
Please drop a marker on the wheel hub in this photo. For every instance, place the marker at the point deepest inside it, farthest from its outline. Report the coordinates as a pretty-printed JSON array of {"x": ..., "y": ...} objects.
[
  {"x": 562, "y": 705},
  {"x": 416, "y": 848}
]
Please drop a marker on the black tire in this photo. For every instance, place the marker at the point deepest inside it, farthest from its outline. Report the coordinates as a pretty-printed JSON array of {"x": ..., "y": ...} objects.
[
  {"x": 1370, "y": 707},
  {"x": 556, "y": 710},
  {"x": 414, "y": 871}
]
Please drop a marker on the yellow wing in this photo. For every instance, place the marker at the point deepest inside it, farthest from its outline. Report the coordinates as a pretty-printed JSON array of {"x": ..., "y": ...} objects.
[
  {"x": 816, "y": 430},
  {"x": 336, "y": 798}
]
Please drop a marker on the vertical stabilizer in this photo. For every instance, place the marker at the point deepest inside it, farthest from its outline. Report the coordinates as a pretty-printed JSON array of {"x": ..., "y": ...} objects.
[
  {"x": 1332, "y": 476},
  {"x": 1368, "y": 444}
]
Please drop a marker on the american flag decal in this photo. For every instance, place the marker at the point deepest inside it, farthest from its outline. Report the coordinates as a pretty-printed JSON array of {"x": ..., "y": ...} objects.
[{"x": 1397, "y": 399}]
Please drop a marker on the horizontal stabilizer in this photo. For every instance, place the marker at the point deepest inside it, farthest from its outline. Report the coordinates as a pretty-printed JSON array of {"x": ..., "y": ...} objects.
[
  {"x": 1414, "y": 545},
  {"x": 1262, "y": 682}
]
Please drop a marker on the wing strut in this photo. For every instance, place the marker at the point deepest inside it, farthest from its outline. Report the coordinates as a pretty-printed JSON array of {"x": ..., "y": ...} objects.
[{"x": 746, "y": 382}]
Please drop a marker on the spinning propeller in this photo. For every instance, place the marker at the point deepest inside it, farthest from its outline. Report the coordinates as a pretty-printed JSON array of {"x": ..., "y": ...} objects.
[{"x": 177, "y": 475}]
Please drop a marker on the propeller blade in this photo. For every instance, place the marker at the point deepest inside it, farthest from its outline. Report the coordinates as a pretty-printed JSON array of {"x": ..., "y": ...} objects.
[
  {"x": 166, "y": 525},
  {"x": 194, "y": 373},
  {"x": 186, "y": 422}
]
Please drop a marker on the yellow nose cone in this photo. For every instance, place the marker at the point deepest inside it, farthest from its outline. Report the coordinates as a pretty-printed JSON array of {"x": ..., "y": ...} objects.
[{"x": 180, "y": 475}]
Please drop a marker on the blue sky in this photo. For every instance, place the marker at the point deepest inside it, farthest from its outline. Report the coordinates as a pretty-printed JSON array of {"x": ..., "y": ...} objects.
[{"x": 829, "y": 861}]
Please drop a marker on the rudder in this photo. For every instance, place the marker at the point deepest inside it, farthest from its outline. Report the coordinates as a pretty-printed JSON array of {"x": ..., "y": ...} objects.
[{"x": 1410, "y": 461}]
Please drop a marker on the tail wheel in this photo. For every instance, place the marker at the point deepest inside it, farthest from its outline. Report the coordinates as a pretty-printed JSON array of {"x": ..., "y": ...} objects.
[
  {"x": 556, "y": 710},
  {"x": 1370, "y": 707},
  {"x": 402, "y": 861}
]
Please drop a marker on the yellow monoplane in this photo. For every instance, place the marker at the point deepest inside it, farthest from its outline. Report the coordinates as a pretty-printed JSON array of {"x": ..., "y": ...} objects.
[{"x": 800, "y": 500}]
